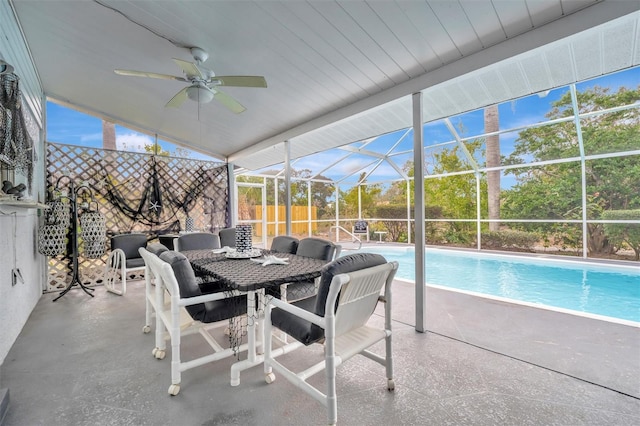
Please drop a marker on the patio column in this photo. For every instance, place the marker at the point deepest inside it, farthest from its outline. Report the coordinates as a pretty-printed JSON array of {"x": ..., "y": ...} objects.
[
  {"x": 418, "y": 165},
  {"x": 232, "y": 207},
  {"x": 287, "y": 187}
]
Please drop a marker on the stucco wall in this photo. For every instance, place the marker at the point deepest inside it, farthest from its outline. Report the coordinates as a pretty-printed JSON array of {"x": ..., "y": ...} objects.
[{"x": 18, "y": 225}]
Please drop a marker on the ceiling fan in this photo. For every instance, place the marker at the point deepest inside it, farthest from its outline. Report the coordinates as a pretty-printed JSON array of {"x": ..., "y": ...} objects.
[{"x": 204, "y": 84}]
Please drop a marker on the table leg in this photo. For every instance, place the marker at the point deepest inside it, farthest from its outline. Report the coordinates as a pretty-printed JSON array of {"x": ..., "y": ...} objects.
[{"x": 254, "y": 324}]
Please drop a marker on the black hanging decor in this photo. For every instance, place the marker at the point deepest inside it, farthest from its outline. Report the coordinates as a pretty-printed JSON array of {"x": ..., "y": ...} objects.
[
  {"x": 165, "y": 193},
  {"x": 16, "y": 145}
]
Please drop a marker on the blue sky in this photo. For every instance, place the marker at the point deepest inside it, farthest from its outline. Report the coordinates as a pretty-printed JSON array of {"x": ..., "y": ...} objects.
[{"x": 68, "y": 126}]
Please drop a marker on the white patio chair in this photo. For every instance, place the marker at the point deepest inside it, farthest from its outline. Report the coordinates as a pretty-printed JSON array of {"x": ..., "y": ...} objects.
[
  {"x": 316, "y": 248},
  {"x": 361, "y": 227},
  {"x": 123, "y": 260},
  {"x": 196, "y": 241},
  {"x": 284, "y": 244},
  {"x": 349, "y": 291},
  {"x": 173, "y": 274},
  {"x": 149, "y": 282}
]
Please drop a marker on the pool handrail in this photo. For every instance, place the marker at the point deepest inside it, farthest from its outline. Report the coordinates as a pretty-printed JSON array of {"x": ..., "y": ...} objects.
[{"x": 353, "y": 237}]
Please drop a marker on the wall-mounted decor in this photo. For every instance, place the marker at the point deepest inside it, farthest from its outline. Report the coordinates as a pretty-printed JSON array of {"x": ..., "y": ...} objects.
[{"x": 16, "y": 146}]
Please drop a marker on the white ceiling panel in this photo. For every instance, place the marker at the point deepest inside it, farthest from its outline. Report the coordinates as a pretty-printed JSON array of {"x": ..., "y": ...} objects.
[
  {"x": 457, "y": 26},
  {"x": 337, "y": 71},
  {"x": 485, "y": 21}
]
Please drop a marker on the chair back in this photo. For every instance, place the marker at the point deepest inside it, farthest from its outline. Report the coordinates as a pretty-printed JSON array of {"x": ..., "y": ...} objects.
[
  {"x": 177, "y": 276},
  {"x": 227, "y": 237},
  {"x": 129, "y": 244},
  {"x": 344, "y": 265},
  {"x": 316, "y": 248},
  {"x": 161, "y": 271},
  {"x": 157, "y": 248},
  {"x": 197, "y": 241},
  {"x": 285, "y": 244},
  {"x": 361, "y": 227},
  {"x": 359, "y": 296}
]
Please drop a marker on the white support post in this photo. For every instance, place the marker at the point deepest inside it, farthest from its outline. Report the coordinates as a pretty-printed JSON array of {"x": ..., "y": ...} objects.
[
  {"x": 408, "y": 182},
  {"x": 287, "y": 186},
  {"x": 418, "y": 165},
  {"x": 583, "y": 172},
  {"x": 478, "y": 213}
]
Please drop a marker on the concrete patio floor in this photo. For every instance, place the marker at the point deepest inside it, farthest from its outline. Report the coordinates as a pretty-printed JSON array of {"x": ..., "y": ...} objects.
[{"x": 85, "y": 361}]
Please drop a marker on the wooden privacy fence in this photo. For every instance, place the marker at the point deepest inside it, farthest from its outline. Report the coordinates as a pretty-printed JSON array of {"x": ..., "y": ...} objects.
[{"x": 298, "y": 213}]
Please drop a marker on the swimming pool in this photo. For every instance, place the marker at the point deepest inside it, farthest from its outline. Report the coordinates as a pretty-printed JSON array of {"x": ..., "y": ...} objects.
[{"x": 604, "y": 290}]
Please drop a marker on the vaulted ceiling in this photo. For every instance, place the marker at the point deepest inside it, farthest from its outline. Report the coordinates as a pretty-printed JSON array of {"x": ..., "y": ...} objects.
[{"x": 337, "y": 71}]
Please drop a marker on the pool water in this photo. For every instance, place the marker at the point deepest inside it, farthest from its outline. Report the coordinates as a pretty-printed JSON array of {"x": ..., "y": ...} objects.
[{"x": 578, "y": 286}]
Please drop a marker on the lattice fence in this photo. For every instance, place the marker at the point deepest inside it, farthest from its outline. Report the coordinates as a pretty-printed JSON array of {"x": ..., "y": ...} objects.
[{"x": 137, "y": 192}]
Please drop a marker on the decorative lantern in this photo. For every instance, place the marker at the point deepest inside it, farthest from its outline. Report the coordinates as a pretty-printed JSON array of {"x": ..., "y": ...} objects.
[
  {"x": 243, "y": 238},
  {"x": 94, "y": 231},
  {"x": 58, "y": 213},
  {"x": 52, "y": 239}
]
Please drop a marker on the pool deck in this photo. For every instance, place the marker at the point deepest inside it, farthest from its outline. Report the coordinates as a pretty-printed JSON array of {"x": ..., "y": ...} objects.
[{"x": 85, "y": 361}]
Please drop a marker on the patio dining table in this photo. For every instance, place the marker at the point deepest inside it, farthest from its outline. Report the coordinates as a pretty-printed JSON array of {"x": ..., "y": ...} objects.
[{"x": 254, "y": 279}]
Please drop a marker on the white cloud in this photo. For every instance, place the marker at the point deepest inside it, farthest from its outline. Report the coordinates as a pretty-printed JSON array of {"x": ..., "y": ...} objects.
[
  {"x": 133, "y": 142},
  {"x": 91, "y": 137}
]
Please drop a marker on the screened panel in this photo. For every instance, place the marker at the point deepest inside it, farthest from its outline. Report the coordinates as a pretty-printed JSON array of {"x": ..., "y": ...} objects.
[
  {"x": 612, "y": 184},
  {"x": 455, "y": 195},
  {"x": 611, "y": 132},
  {"x": 543, "y": 192},
  {"x": 545, "y": 143}
]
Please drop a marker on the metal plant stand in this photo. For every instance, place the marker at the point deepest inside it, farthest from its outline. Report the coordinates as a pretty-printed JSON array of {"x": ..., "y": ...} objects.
[{"x": 73, "y": 237}]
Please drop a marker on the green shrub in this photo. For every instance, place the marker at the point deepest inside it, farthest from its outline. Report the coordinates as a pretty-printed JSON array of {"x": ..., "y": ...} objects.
[
  {"x": 509, "y": 239},
  {"x": 623, "y": 233}
]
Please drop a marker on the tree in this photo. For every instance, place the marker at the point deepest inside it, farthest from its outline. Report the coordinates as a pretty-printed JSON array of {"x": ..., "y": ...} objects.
[
  {"x": 451, "y": 196},
  {"x": 554, "y": 191},
  {"x": 368, "y": 196},
  {"x": 491, "y": 124}
]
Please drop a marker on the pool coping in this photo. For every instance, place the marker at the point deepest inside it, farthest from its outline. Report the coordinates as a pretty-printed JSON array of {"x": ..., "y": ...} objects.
[{"x": 591, "y": 349}]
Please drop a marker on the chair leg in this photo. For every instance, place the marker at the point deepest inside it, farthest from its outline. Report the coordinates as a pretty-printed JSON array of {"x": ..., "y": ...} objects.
[
  {"x": 148, "y": 306},
  {"x": 174, "y": 389},
  {"x": 332, "y": 399},
  {"x": 115, "y": 263},
  {"x": 267, "y": 329},
  {"x": 389, "y": 363},
  {"x": 330, "y": 366}
]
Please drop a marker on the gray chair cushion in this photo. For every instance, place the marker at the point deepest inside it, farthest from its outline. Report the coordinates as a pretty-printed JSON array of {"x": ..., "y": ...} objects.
[
  {"x": 304, "y": 331},
  {"x": 134, "y": 263},
  {"x": 183, "y": 272},
  {"x": 157, "y": 248},
  {"x": 316, "y": 248},
  {"x": 227, "y": 237},
  {"x": 206, "y": 312},
  {"x": 129, "y": 244},
  {"x": 198, "y": 241},
  {"x": 285, "y": 244}
]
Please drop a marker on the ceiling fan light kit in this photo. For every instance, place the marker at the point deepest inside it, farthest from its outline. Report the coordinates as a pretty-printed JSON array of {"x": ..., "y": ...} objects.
[
  {"x": 200, "y": 94},
  {"x": 204, "y": 83}
]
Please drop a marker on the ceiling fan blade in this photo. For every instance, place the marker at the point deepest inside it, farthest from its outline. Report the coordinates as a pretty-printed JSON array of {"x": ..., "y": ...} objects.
[
  {"x": 229, "y": 102},
  {"x": 178, "y": 99},
  {"x": 189, "y": 68},
  {"x": 149, "y": 74},
  {"x": 240, "y": 80}
]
